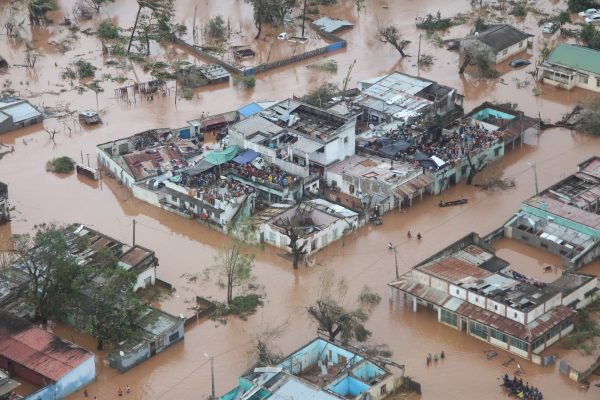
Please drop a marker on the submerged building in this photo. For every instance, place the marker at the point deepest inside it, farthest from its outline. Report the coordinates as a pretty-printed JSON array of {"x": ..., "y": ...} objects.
[
  {"x": 320, "y": 370},
  {"x": 473, "y": 290},
  {"x": 571, "y": 65},
  {"x": 17, "y": 113},
  {"x": 565, "y": 218}
]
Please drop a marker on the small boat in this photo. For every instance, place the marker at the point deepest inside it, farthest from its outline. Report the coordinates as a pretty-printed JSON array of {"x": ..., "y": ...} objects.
[
  {"x": 376, "y": 220},
  {"x": 453, "y": 202}
]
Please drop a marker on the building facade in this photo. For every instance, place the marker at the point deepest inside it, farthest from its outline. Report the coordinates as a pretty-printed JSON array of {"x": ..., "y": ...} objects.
[
  {"x": 569, "y": 66},
  {"x": 16, "y": 113}
]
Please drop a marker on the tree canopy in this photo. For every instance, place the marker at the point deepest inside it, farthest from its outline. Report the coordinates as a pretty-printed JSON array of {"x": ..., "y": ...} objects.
[{"x": 270, "y": 12}]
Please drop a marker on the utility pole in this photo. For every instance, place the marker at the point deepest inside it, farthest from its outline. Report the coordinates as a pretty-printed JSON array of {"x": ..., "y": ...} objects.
[
  {"x": 212, "y": 375},
  {"x": 134, "y": 231},
  {"x": 393, "y": 247},
  {"x": 535, "y": 177},
  {"x": 419, "y": 57},
  {"x": 303, "y": 18},
  {"x": 88, "y": 158}
]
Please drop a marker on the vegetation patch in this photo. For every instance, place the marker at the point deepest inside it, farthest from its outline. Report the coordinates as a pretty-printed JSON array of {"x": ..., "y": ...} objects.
[
  {"x": 583, "y": 338},
  {"x": 519, "y": 9},
  {"x": 425, "y": 59},
  {"x": 247, "y": 81},
  {"x": 216, "y": 28},
  {"x": 324, "y": 65},
  {"x": 321, "y": 95},
  {"x": 85, "y": 69},
  {"x": 434, "y": 22},
  {"x": 107, "y": 30},
  {"x": 241, "y": 306},
  {"x": 61, "y": 165}
]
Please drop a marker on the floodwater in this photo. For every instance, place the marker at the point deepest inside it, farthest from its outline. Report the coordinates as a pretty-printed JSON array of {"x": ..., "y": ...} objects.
[{"x": 362, "y": 258}]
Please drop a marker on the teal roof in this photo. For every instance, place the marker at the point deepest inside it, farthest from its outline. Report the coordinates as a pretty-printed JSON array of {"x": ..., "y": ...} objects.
[
  {"x": 573, "y": 56},
  {"x": 221, "y": 157}
]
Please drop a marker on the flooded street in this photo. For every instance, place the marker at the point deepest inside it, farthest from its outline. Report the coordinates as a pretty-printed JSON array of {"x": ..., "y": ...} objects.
[{"x": 362, "y": 258}]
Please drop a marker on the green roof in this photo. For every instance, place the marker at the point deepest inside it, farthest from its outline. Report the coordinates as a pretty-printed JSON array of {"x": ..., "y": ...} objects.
[{"x": 573, "y": 56}]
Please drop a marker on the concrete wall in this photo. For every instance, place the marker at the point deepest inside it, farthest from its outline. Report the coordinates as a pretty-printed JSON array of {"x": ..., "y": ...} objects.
[
  {"x": 76, "y": 379},
  {"x": 140, "y": 191},
  {"x": 131, "y": 358},
  {"x": 511, "y": 51},
  {"x": 116, "y": 169},
  {"x": 580, "y": 294}
]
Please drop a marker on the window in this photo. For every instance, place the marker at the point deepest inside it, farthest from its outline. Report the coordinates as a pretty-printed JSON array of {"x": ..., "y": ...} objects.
[
  {"x": 583, "y": 78},
  {"x": 519, "y": 344},
  {"x": 553, "y": 332},
  {"x": 346, "y": 139},
  {"x": 448, "y": 317},
  {"x": 505, "y": 52},
  {"x": 478, "y": 329},
  {"x": 497, "y": 151},
  {"x": 539, "y": 342},
  {"x": 496, "y": 307},
  {"x": 520, "y": 44},
  {"x": 565, "y": 324},
  {"x": 351, "y": 189},
  {"x": 272, "y": 237},
  {"x": 173, "y": 337},
  {"x": 597, "y": 82},
  {"x": 383, "y": 390},
  {"x": 515, "y": 315},
  {"x": 498, "y": 335},
  {"x": 457, "y": 292}
]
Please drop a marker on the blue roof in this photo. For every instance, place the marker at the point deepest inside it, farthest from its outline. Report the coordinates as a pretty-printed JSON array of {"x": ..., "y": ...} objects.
[
  {"x": 246, "y": 156},
  {"x": 249, "y": 110}
]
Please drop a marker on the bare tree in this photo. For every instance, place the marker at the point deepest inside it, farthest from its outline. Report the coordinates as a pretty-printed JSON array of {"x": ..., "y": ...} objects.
[
  {"x": 233, "y": 269},
  {"x": 293, "y": 230},
  {"x": 391, "y": 34},
  {"x": 331, "y": 316},
  {"x": 32, "y": 55}
]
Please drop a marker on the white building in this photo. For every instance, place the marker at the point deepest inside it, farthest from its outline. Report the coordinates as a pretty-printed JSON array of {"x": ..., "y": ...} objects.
[
  {"x": 16, "y": 113},
  {"x": 497, "y": 43},
  {"x": 569, "y": 66},
  {"x": 297, "y": 137},
  {"x": 322, "y": 223}
]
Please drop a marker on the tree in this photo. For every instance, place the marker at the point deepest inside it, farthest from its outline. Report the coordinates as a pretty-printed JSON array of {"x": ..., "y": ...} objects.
[
  {"x": 391, "y": 34},
  {"x": 108, "y": 306},
  {"x": 479, "y": 25},
  {"x": 216, "y": 28},
  {"x": 233, "y": 268},
  {"x": 293, "y": 230},
  {"x": 331, "y": 316},
  {"x": 32, "y": 55},
  {"x": 163, "y": 9},
  {"x": 270, "y": 12},
  {"x": 580, "y": 5},
  {"x": 38, "y": 9},
  {"x": 96, "y": 5},
  {"x": 321, "y": 95},
  {"x": 50, "y": 269}
]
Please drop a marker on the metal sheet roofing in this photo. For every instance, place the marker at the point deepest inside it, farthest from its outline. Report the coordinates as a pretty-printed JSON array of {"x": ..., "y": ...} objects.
[
  {"x": 574, "y": 56},
  {"x": 19, "y": 111},
  {"x": 249, "y": 110},
  {"x": 499, "y": 37},
  {"x": 566, "y": 211},
  {"x": 331, "y": 25},
  {"x": 407, "y": 284},
  {"x": 38, "y": 350}
]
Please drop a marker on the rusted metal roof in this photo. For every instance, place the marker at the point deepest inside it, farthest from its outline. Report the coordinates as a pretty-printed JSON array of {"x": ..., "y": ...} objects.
[
  {"x": 38, "y": 350},
  {"x": 593, "y": 168},
  {"x": 549, "y": 320},
  {"x": 407, "y": 284},
  {"x": 135, "y": 255},
  {"x": 414, "y": 185},
  {"x": 454, "y": 270}
]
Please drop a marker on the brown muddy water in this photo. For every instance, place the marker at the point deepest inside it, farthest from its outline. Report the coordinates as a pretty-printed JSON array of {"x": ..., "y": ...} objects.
[{"x": 362, "y": 258}]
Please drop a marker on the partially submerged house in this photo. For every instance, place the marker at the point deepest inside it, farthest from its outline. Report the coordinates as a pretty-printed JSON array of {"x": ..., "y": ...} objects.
[
  {"x": 570, "y": 65},
  {"x": 321, "y": 370},
  {"x": 564, "y": 219},
  {"x": 497, "y": 43},
  {"x": 317, "y": 221},
  {"x": 4, "y": 204},
  {"x": 54, "y": 366},
  {"x": 473, "y": 290},
  {"x": 370, "y": 182},
  {"x": 17, "y": 113},
  {"x": 158, "y": 330}
]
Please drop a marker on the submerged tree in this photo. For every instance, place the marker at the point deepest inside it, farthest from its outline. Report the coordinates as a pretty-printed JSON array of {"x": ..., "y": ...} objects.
[
  {"x": 270, "y": 12},
  {"x": 38, "y": 10},
  {"x": 233, "y": 268},
  {"x": 162, "y": 9},
  {"x": 331, "y": 316},
  {"x": 391, "y": 34},
  {"x": 51, "y": 271},
  {"x": 293, "y": 230},
  {"x": 321, "y": 95}
]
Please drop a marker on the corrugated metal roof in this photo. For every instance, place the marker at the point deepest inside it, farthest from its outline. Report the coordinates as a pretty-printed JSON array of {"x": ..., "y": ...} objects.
[
  {"x": 331, "y": 25},
  {"x": 407, "y": 284},
  {"x": 574, "y": 56},
  {"x": 453, "y": 304},
  {"x": 455, "y": 270},
  {"x": 37, "y": 349},
  {"x": 293, "y": 388}
]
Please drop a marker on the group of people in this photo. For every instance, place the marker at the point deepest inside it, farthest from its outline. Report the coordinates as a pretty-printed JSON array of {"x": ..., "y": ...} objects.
[
  {"x": 516, "y": 388},
  {"x": 435, "y": 358},
  {"x": 453, "y": 147},
  {"x": 120, "y": 392},
  {"x": 409, "y": 235},
  {"x": 269, "y": 173}
]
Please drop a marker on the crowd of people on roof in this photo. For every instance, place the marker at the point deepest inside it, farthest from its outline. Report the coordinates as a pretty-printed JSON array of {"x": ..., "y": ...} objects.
[
  {"x": 268, "y": 173},
  {"x": 523, "y": 391},
  {"x": 451, "y": 146}
]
